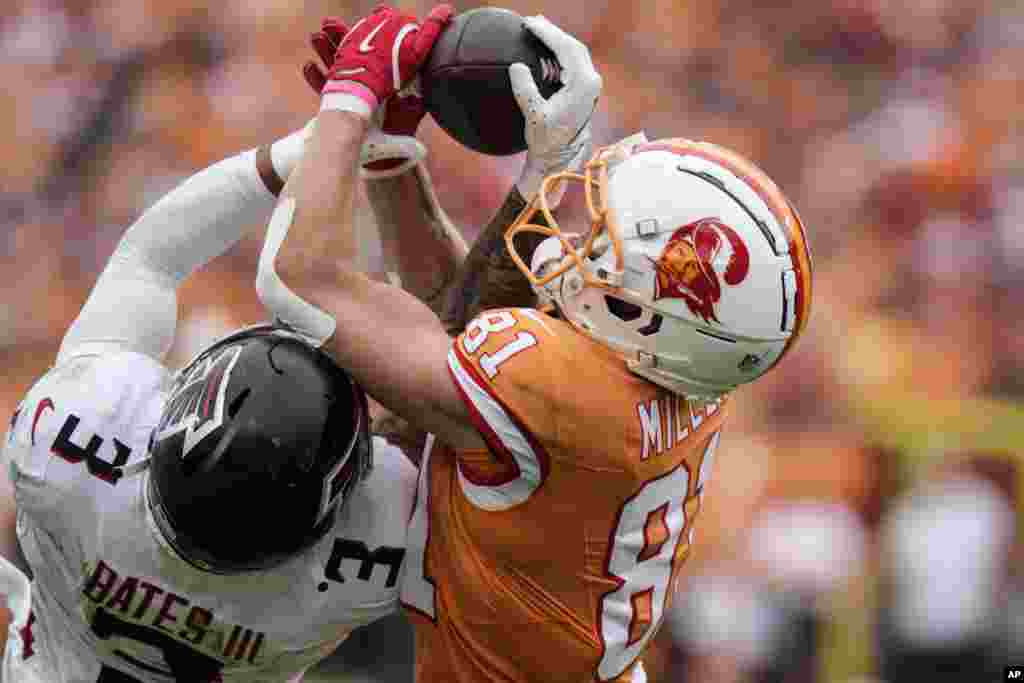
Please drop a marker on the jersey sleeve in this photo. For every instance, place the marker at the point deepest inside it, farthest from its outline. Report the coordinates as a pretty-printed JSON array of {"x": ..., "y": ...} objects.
[
  {"x": 505, "y": 368},
  {"x": 74, "y": 428},
  {"x": 369, "y": 544},
  {"x": 387, "y": 495}
]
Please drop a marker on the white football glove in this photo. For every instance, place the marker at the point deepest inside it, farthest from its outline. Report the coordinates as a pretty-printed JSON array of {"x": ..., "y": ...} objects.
[
  {"x": 285, "y": 153},
  {"x": 379, "y": 145},
  {"x": 557, "y": 129}
]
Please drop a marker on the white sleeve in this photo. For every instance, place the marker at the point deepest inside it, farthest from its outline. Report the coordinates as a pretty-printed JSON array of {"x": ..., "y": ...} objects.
[{"x": 133, "y": 305}]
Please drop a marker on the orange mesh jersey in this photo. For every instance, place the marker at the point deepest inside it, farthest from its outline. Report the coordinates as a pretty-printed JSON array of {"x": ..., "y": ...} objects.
[{"x": 552, "y": 555}]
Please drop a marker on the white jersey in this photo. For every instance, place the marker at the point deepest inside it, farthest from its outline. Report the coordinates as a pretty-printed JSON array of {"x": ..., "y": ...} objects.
[{"x": 108, "y": 594}]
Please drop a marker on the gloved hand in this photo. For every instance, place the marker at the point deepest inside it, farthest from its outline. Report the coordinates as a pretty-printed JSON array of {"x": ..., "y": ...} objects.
[
  {"x": 325, "y": 43},
  {"x": 391, "y": 148},
  {"x": 377, "y": 57},
  {"x": 557, "y": 129}
]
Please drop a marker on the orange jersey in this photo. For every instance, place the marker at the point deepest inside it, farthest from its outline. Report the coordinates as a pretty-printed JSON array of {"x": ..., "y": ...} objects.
[{"x": 552, "y": 555}]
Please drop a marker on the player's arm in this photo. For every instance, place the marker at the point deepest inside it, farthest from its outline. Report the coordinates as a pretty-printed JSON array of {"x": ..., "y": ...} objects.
[
  {"x": 419, "y": 242},
  {"x": 133, "y": 305},
  {"x": 421, "y": 247},
  {"x": 488, "y": 277},
  {"x": 393, "y": 343},
  {"x": 454, "y": 287},
  {"x": 558, "y": 139}
]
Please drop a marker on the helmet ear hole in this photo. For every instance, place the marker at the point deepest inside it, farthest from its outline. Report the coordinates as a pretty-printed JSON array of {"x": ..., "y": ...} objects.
[{"x": 623, "y": 310}]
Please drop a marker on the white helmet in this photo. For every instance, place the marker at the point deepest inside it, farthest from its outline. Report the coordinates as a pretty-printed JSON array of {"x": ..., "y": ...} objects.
[{"x": 696, "y": 267}]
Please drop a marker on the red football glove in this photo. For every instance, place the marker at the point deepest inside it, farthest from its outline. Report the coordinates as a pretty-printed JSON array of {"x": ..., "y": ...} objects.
[
  {"x": 325, "y": 43},
  {"x": 382, "y": 52},
  {"x": 402, "y": 112}
]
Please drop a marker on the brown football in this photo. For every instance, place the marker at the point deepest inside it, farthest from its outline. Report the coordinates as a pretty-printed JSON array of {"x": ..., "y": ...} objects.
[{"x": 466, "y": 83}]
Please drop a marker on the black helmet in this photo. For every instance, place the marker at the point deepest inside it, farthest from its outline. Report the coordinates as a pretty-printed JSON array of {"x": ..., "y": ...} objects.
[{"x": 261, "y": 439}]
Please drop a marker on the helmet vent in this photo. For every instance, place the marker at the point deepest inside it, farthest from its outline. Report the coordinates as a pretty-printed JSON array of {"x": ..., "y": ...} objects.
[
  {"x": 717, "y": 182},
  {"x": 236, "y": 404},
  {"x": 648, "y": 227},
  {"x": 270, "y": 357},
  {"x": 623, "y": 310},
  {"x": 761, "y": 225},
  {"x": 789, "y": 289},
  {"x": 716, "y": 336}
]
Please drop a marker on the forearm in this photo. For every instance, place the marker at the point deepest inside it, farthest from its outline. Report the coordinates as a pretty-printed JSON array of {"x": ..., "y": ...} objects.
[
  {"x": 489, "y": 277},
  {"x": 321, "y": 237},
  {"x": 133, "y": 304},
  {"x": 419, "y": 242},
  {"x": 311, "y": 238}
]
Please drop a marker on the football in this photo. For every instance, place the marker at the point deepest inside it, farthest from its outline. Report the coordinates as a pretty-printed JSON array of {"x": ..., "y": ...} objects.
[{"x": 466, "y": 85}]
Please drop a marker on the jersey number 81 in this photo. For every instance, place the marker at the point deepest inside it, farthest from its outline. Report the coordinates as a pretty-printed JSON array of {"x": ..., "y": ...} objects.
[{"x": 644, "y": 566}]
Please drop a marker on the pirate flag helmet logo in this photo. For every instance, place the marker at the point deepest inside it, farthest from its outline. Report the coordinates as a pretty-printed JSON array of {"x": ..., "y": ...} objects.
[{"x": 694, "y": 263}]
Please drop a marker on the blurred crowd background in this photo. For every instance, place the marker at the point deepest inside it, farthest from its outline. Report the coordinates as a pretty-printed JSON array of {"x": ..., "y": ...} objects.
[{"x": 862, "y": 524}]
